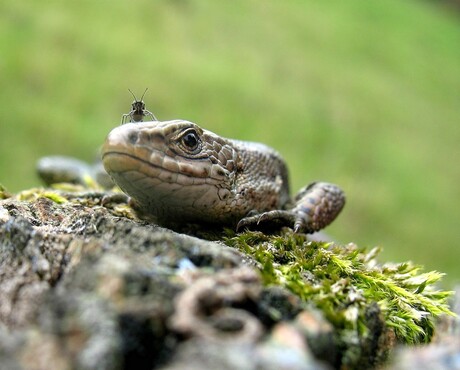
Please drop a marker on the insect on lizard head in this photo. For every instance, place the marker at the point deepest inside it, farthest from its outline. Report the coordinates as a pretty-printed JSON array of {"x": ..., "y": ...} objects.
[{"x": 138, "y": 104}]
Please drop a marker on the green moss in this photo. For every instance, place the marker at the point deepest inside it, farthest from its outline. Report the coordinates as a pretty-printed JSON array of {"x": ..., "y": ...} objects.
[
  {"x": 4, "y": 194},
  {"x": 35, "y": 193},
  {"x": 56, "y": 198},
  {"x": 344, "y": 281}
]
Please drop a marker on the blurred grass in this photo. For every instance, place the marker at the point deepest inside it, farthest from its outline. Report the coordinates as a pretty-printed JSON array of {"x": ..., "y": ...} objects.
[{"x": 363, "y": 94}]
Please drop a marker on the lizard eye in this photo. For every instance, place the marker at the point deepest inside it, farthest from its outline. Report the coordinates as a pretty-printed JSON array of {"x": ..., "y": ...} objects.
[{"x": 190, "y": 140}]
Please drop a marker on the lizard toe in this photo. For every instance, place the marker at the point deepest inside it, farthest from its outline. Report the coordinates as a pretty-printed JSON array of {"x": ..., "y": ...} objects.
[{"x": 268, "y": 221}]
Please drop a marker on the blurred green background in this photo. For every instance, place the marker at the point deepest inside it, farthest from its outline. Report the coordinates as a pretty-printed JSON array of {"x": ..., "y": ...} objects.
[{"x": 365, "y": 94}]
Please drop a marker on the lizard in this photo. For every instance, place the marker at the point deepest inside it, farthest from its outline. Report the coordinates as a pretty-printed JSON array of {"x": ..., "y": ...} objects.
[{"x": 177, "y": 172}]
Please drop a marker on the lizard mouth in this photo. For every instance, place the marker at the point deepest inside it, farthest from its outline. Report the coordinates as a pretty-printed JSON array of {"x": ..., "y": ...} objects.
[{"x": 120, "y": 161}]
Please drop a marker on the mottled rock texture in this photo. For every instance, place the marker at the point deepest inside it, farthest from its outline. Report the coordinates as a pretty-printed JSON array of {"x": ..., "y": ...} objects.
[{"x": 84, "y": 286}]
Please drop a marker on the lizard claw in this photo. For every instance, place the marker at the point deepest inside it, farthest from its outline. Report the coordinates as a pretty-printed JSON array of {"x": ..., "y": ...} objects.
[
  {"x": 268, "y": 221},
  {"x": 114, "y": 198},
  {"x": 264, "y": 217}
]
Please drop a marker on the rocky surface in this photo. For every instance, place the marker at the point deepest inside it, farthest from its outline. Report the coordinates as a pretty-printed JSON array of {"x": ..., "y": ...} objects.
[{"x": 84, "y": 286}]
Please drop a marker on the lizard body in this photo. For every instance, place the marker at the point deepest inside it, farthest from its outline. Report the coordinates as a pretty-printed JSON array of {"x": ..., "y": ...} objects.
[{"x": 177, "y": 172}]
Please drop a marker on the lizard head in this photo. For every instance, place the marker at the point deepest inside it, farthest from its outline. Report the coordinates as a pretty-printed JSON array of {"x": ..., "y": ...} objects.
[{"x": 171, "y": 167}]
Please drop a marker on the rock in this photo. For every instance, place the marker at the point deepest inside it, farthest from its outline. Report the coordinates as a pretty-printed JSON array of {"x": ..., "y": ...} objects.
[
  {"x": 86, "y": 285},
  {"x": 84, "y": 288}
]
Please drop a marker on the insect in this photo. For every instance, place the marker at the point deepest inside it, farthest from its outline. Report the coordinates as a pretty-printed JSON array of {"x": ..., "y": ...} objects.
[{"x": 138, "y": 111}]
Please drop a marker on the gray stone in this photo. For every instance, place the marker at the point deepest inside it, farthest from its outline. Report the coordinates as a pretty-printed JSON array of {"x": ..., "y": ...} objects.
[{"x": 86, "y": 285}]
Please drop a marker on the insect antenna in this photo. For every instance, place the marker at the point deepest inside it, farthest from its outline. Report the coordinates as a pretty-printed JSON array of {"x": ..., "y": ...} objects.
[
  {"x": 142, "y": 97},
  {"x": 134, "y": 96}
]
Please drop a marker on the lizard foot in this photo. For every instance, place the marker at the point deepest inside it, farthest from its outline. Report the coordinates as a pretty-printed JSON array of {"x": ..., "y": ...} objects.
[
  {"x": 267, "y": 221},
  {"x": 114, "y": 198},
  {"x": 317, "y": 205}
]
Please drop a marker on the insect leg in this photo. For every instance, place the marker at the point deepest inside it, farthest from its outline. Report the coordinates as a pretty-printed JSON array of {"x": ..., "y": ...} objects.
[
  {"x": 124, "y": 118},
  {"x": 146, "y": 112}
]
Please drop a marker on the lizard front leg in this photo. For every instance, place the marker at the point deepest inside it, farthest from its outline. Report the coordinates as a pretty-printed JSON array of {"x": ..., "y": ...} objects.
[{"x": 316, "y": 206}]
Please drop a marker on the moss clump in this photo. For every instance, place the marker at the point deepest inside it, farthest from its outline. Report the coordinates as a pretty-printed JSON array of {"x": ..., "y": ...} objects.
[
  {"x": 4, "y": 194},
  {"x": 36, "y": 193},
  {"x": 345, "y": 281}
]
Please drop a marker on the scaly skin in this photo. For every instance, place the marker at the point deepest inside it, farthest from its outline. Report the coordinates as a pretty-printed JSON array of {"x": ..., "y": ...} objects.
[{"x": 178, "y": 172}]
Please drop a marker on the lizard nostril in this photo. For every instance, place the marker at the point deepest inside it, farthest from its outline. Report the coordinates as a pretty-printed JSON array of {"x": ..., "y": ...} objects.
[{"x": 132, "y": 137}]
